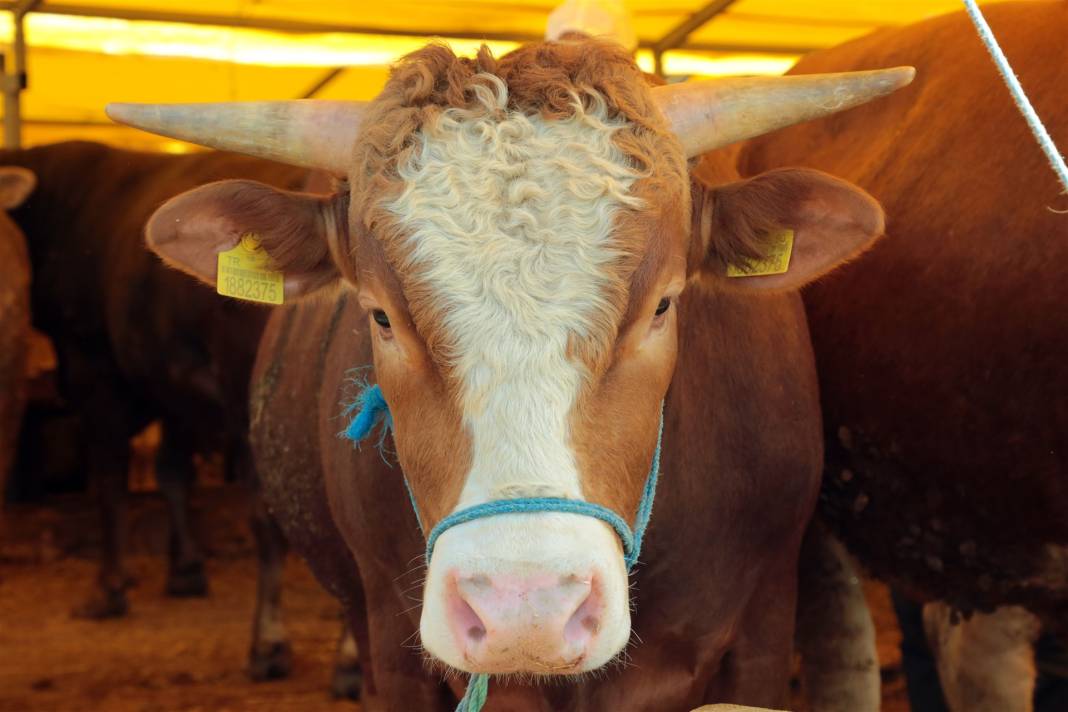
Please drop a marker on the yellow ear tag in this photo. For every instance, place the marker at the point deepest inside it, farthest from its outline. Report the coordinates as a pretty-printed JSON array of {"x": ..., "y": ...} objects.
[
  {"x": 781, "y": 247},
  {"x": 245, "y": 272}
]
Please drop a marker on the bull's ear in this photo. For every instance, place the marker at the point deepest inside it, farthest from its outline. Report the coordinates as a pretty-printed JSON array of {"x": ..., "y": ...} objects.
[
  {"x": 296, "y": 231},
  {"x": 15, "y": 185},
  {"x": 781, "y": 229}
]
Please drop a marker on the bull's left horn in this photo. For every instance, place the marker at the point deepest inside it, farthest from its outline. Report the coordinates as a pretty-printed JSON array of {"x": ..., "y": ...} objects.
[
  {"x": 312, "y": 133},
  {"x": 712, "y": 113}
]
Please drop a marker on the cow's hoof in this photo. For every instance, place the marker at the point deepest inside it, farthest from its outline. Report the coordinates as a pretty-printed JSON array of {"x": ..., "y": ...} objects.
[
  {"x": 270, "y": 661},
  {"x": 103, "y": 604},
  {"x": 347, "y": 682},
  {"x": 187, "y": 580}
]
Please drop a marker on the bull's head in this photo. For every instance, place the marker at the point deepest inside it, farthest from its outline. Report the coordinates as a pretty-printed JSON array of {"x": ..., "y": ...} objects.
[{"x": 519, "y": 231}]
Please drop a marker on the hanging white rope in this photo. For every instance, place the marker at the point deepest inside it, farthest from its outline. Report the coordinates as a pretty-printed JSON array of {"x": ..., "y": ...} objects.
[{"x": 1056, "y": 160}]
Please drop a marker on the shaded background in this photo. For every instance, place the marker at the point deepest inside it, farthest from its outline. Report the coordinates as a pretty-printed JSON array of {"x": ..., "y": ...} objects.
[{"x": 189, "y": 654}]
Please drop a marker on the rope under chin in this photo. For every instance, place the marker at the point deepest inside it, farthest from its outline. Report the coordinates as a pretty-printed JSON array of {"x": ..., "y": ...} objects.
[{"x": 371, "y": 409}]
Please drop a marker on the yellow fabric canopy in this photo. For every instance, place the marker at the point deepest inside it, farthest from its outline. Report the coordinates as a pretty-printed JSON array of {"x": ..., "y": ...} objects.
[{"x": 84, "y": 53}]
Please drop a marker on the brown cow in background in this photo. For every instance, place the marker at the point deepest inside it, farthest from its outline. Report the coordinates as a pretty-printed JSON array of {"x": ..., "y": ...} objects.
[
  {"x": 136, "y": 342},
  {"x": 15, "y": 185},
  {"x": 943, "y": 352}
]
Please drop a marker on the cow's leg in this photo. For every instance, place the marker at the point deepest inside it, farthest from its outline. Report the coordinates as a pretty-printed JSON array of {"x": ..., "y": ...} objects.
[
  {"x": 756, "y": 670},
  {"x": 90, "y": 381},
  {"x": 348, "y": 677},
  {"x": 175, "y": 474},
  {"x": 109, "y": 459},
  {"x": 985, "y": 663},
  {"x": 270, "y": 655},
  {"x": 395, "y": 677},
  {"x": 835, "y": 632},
  {"x": 917, "y": 660}
]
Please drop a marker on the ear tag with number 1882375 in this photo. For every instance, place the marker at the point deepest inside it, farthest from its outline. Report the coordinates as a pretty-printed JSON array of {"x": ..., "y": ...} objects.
[{"x": 245, "y": 272}]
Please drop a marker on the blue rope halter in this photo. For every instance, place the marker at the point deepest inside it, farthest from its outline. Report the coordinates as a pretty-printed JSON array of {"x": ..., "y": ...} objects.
[{"x": 371, "y": 409}]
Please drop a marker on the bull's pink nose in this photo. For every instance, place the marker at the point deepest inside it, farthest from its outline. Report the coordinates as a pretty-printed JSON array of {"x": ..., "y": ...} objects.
[{"x": 524, "y": 624}]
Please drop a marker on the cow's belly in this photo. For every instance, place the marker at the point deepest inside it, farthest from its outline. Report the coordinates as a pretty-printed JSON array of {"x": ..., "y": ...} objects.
[
  {"x": 946, "y": 428},
  {"x": 975, "y": 536}
]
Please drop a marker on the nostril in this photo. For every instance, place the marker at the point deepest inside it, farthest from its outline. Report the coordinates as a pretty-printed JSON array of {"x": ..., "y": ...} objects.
[
  {"x": 574, "y": 580},
  {"x": 585, "y": 622},
  {"x": 465, "y": 622},
  {"x": 478, "y": 581},
  {"x": 476, "y": 632}
]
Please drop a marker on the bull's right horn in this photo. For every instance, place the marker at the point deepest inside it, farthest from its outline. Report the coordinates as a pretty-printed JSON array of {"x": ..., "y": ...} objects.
[{"x": 313, "y": 133}]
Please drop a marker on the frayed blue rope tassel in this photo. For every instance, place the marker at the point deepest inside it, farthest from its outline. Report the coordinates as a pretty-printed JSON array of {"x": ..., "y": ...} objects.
[{"x": 372, "y": 408}]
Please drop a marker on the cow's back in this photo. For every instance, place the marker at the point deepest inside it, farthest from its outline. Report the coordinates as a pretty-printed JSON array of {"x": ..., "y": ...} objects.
[
  {"x": 941, "y": 353},
  {"x": 113, "y": 308},
  {"x": 14, "y": 332}
]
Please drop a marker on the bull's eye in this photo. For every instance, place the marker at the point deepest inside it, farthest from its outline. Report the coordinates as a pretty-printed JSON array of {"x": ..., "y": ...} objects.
[
  {"x": 663, "y": 306},
  {"x": 380, "y": 318}
]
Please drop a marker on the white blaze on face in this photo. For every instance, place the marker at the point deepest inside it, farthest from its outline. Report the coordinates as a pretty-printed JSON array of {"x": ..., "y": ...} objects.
[{"x": 509, "y": 220}]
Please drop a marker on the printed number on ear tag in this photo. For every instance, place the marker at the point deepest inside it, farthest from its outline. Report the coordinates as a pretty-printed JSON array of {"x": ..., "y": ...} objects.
[
  {"x": 245, "y": 272},
  {"x": 781, "y": 244}
]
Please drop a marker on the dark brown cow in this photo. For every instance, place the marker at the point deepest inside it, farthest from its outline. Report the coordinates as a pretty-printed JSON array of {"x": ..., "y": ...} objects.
[
  {"x": 511, "y": 254},
  {"x": 15, "y": 185},
  {"x": 136, "y": 342},
  {"x": 942, "y": 352}
]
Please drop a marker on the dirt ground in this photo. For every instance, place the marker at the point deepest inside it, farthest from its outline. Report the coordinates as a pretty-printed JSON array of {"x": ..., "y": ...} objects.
[{"x": 182, "y": 654}]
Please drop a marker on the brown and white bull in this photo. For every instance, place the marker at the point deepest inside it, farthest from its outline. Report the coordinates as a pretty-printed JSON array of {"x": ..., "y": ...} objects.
[
  {"x": 519, "y": 249},
  {"x": 941, "y": 352}
]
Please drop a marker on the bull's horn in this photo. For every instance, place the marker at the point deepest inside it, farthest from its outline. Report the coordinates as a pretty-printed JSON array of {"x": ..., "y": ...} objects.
[
  {"x": 311, "y": 133},
  {"x": 711, "y": 113}
]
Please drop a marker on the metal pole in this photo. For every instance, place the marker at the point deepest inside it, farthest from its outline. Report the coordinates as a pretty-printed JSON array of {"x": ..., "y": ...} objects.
[
  {"x": 325, "y": 81},
  {"x": 297, "y": 27},
  {"x": 260, "y": 23},
  {"x": 12, "y": 90},
  {"x": 684, "y": 29},
  {"x": 15, "y": 82}
]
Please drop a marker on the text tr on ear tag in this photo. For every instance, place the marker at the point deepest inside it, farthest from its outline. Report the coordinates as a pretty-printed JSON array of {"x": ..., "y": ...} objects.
[
  {"x": 780, "y": 247},
  {"x": 245, "y": 272}
]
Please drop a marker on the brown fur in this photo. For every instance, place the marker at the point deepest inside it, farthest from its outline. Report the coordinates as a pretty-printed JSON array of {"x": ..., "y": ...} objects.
[
  {"x": 14, "y": 332},
  {"x": 941, "y": 352}
]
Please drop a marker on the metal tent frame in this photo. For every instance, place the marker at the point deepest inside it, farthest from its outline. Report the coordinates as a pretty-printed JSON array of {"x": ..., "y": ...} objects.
[{"x": 15, "y": 81}]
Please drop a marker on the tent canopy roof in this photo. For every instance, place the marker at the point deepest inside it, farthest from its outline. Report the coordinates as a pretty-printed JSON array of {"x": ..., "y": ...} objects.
[{"x": 84, "y": 53}]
